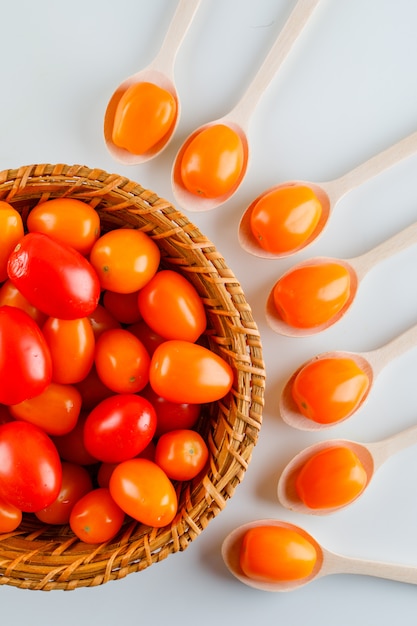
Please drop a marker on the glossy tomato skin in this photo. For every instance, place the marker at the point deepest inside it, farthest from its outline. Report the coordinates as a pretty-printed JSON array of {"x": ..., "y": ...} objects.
[
  {"x": 71, "y": 344},
  {"x": 143, "y": 490},
  {"x": 11, "y": 296},
  {"x": 171, "y": 415},
  {"x": 187, "y": 372},
  {"x": 181, "y": 453},
  {"x": 171, "y": 306},
  {"x": 71, "y": 445},
  {"x": 11, "y": 229},
  {"x": 10, "y": 517},
  {"x": 30, "y": 467},
  {"x": 96, "y": 517},
  {"x": 119, "y": 428},
  {"x": 25, "y": 360},
  {"x": 54, "y": 277}
]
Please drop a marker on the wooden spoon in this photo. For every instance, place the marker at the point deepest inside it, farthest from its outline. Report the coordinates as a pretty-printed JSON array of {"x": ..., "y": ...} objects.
[
  {"x": 371, "y": 362},
  {"x": 328, "y": 194},
  {"x": 327, "y": 562},
  {"x": 238, "y": 118},
  {"x": 357, "y": 267},
  {"x": 161, "y": 73},
  {"x": 372, "y": 456}
]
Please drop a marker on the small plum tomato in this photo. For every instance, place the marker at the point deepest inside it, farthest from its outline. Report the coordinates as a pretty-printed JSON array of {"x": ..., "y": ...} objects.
[
  {"x": 182, "y": 371},
  {"x": 72, "y": 345},
  {"x": 172, "y": 307},
  {"x": 76, "y": 482},
  {"x": 55, "y": 410},
  {"x": 54, "y": 277},
  {"x": 122, "y": 361},
  {"x": 276, "y": 553},
  {"x": 311, "y": 295},
  {"x": 119, "y": 428},
  {"x": 144, "y": 116},
  {"x": 105, "y": 470},
  {"x": 329, "y": 389},
  {"x": 171, "y": 415},
  {"x": 122, "y": 306},
  {"x": 10, "y": 517},
  {"x": 143, "y": 490},
  {"x": 125, "y": 259},
  {"x": 212, "y": 163},
  {"x": 181, "y": 453},
  {"x": 71, "y": 446},
  {"x": 69, "y": 220},
  {"x": 150, "y": 339},
  {"x": 283, "y": 219},
  {"x": 30, "y": 467},
  {"x": 332, "y": 477},
  {"x": 12, "y": 231},
  {"x": 101, "y": 319},
  {"x": 11, "y": 296},
  {"x": 96, "y": 518},
  {"x": 92, "y": 390}
]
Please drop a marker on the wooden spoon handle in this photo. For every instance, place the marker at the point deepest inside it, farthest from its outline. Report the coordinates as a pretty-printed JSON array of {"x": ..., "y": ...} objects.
[
  {"x": 384, "y": 449},
  {"x": 380, "y": 357},
  {"x": 180, "y": 23},
  {"x": 338, "y": 564}
]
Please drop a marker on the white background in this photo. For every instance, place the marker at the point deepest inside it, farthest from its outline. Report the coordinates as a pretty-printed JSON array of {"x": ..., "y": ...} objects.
[{"x": 347, "y": 90}]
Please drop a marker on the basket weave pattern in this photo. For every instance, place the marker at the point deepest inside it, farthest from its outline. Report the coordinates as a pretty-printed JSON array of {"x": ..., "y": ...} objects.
[{"x": 37, "y": 556}]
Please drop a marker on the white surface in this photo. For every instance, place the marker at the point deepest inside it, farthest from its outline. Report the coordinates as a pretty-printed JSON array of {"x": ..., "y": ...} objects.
[{"x": 347, "y": 90}]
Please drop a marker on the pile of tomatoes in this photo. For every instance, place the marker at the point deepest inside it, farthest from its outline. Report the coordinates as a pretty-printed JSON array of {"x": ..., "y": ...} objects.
[{"x": 103, "y": 374}]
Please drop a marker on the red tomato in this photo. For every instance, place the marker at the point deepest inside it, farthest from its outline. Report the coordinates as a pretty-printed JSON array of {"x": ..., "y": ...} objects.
[
  {"x": 171, "y": 415},
  {"x": 92, "y": 390},
  {"x": 122, "y": 361},
  {"x": 5, "y": 415},
  {"x": 25, "y": 360},
  {"x": 69, "y": 220},
  {"x": 106, "y": 469},
  {"x": 171, "y": 306},
  {"x": 10, "y": 517},
  {"x": 182, "y": 454},
  {"x": 11, "y": 296},
  {"x": 125, "y": 259},
  {"x": 76, "y": 482},
  {"x": 119, "y": 428},
  {"x": 11, "y": 232},
  {"x": 54, "y": 277},
  {"x": 55, "y": 410},
  {"x": 187, "y": 372},
  {"x": 122, "y": 306},
  {"x": 143, "y": 490},
  {"x": 71, "y": 344},
  {"x": 30, "y": 467},
  {"x": 101, "y": 319},
  {"x": 96, "y": 518},
  {"x": 71, "y": 446},
  {"x": 150, "y": 339}
]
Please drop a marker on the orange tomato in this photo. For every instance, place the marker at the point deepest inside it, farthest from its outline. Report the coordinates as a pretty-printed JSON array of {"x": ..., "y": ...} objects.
[
  {"x": 101, "y": 319},
  {"x": 171, "y": 306},
  {"x": 171, "y": 415},
  {"x": 144, "y": 116},
  {"x": 213, "y": 161},
  {"x": 70, "y": 221},
  {"x": 71, "y": 445},
  {"x": 312, "y": 295},
  {"x": 143, "y": 490},
  {"x": 122, "y": 361},
  {"x": 11, "y": 231},
  {"x": 276, "y": 553},
  {"x": 150, "y": 339},
  {"x": 92, "y": 390},
  {"x": 328, "y": 390},
  {"x": 331, "y": 478},
  {"x": 283, "y": 219},
  {"x": 181, "y": 453},
  {"x": 71, "y": 344},
  {"x": 10, "y": 517},
  {"x": 125, "y": 259},
  {"x": 55, "y": 410},
  {"x": 122, "y": 306},
  {"x": 11, "y": 296},
  {"x": 96, "y": 518}
]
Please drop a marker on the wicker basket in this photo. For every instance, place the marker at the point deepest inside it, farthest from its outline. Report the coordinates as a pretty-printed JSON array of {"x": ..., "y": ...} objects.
[{"x": 38, "y": 556}]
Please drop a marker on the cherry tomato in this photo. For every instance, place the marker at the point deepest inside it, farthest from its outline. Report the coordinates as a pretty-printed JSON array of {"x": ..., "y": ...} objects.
[
  {"x": 330, "y": 478},
  {"x": 171, "y": 415},
  {"x": 10, "y": 517},
  {"x": 150, "y": 339},
  {"x": 283, "y": 219},
  {"x": 76, "y": 482},
  {"x": 71, "y": 221},
  {"x": 182, "y": 454},
  {"x": 125, "y": 259},
  {"x": 101, "y": 319},
  {"x": 123, "y": 306},
  {"x": 212, "y": 163},
  {"x": 11, "y": 232},
  {"x": 54, "y": 277},
  {"x": 187, "y": 372},
  {"x": 30, "y": 467},
  {"x": 25, "y": 360},
  {"x": 92, "y": 390},
  {"x": 312, "y": 295},
  {"x": 119, "y": 428},
  {"x": 71, "y": 446},
  {"x": 55, "y": 410},
  {"x": 143, "y": 490},
  {"x": 72, "y": 345},
  {"x": 276, "y": 553},
  {"x": 171, "y": 306},
  {"x": 96, "y": 518},
  {"x": 122, "y": 361},
  {"x": 144, "y": 116},
  {"x": 328, "y": 390},
  {"x": 105, "y": 470},
  {"x": 11, "y": 296}
]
